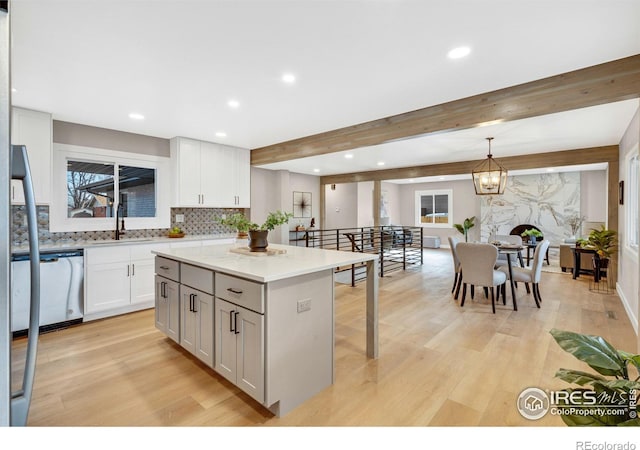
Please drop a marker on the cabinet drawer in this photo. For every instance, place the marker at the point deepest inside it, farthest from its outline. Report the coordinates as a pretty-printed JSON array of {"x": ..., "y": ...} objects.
[
  {"x": 197, "y": 278},
  {"x": 241, "y": 292},
  {"x": 168, "y": 268}
]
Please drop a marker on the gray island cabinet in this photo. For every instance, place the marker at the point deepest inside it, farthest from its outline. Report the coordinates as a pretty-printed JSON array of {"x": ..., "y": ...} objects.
[{"x": 263, "y": 322}]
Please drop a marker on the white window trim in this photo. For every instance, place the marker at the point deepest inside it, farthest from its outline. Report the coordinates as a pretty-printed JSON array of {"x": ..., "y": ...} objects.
[
  {"x": 58, "y": 220},
  {"x": 630, "y": 203},
  {"x": 419, "y": 194}
]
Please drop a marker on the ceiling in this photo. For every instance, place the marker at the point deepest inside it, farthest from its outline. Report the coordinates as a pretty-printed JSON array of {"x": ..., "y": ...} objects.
[{"x": 179, "y": 63}]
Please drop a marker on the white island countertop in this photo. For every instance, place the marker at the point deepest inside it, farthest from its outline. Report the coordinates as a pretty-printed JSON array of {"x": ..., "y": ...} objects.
[{"x": 265, "y": 268}]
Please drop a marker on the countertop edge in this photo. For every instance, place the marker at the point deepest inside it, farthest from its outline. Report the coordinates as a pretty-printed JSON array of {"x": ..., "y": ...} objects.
[{"x": 361, "y": 257}]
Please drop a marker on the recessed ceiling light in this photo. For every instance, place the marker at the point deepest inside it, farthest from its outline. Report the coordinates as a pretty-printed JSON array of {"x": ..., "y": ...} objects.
[
  {"x": 550, "y": 169},
  {"x": 14, "y": 90},
  {"x": 136, "y": 116},
  {"x": 289, "y": 78},
  {"x": 381, "y": 163},
  {"x": 348, "y": 156},
  {"x": 316, "y": 170},
  {"x": 411, "y": 180},
  {"x": 459, "y": 52},
  {"x": 221, "y": 134},
  {"x": 233, "y": 103},
  {"x": 442, "y": 178}
]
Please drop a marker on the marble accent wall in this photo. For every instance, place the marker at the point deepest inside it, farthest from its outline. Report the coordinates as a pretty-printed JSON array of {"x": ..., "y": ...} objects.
[
  {"x": 197, "y": 221},
  {"x": 544, "y": 200}
]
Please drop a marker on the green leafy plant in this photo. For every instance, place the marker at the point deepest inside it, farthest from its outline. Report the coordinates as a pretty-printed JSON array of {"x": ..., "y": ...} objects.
[
  {"x": 274, "y": 219},
  {"x": 602, "y": 240},
  {"x": 620, "y": 390},
  {"x": 238, "y": 221},
  {"x": 465, "y": 226},
  {"x": 531, "y": 232}
]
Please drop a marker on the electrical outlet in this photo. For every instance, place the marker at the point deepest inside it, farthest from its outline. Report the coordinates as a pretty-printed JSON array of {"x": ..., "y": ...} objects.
[
  {"x": 179, "y": 218},
  {"x": 304, "y": 305}
]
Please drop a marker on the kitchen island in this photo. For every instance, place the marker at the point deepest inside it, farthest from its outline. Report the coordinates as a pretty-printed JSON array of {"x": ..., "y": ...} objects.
[{"x": 265, "y": 322}]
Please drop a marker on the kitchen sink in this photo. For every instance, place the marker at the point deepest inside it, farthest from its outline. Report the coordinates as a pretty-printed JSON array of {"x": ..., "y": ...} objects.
[{"x": 121, "y": 241}]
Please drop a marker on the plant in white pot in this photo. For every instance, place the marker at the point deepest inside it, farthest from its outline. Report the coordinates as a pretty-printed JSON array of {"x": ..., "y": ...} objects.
[{"x": 258, "y": 233}]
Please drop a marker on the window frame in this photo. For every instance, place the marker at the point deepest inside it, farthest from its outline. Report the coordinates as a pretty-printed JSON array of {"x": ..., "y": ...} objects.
[
  {"x": 58, "y": 220},
  {"x": 434, "y": 192},
  {"x": 631, "y": 187}
]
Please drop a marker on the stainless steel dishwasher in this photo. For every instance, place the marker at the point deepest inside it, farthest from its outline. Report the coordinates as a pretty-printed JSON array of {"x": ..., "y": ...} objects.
[{"x": 61, "y": 281}]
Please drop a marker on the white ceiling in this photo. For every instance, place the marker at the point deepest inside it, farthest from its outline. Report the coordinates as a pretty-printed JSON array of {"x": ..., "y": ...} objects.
[{"x": 179, "y": 62}]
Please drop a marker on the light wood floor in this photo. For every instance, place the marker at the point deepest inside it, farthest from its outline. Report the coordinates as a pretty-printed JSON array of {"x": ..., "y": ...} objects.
[{"x": 439, "y": 365}]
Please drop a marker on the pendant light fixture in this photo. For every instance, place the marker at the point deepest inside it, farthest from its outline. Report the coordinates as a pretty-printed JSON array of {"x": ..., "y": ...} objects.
[{"x": 489, "y": 177}]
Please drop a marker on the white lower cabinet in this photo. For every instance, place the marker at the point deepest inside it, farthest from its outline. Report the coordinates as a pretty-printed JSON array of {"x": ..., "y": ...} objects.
[
  {"x": 119, "y": 278},
  {"x": 239, "y": 342}
]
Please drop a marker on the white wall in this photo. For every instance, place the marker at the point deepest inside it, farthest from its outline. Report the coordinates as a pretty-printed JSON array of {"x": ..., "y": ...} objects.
[
  {"x": 305, "y": 183},
  {"x": 341, "y": 206},
  {"x": 465, "y": 204},
  {"x": 628, "y": 266},
  {"x": 272, "y": 190},
  {"x": 365, "y": 204},
  {"x": 593, "y": 195}
]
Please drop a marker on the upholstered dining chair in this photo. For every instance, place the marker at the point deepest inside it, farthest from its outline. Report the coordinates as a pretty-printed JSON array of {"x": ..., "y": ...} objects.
[
  {"x": 477, "y": 262},
  {"x": 533, "y": 273},
  {"x": 453, "y": 241}
]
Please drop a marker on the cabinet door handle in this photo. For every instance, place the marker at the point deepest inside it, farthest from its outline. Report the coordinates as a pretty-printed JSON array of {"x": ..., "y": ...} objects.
[
  {"x": 235, "y": 291},
  {"x": 235, "y": 322},
  {"x": 195, "y": 302},
  {"x": 164, "y": 267},
  {"x": 231, "y": 330},
  {"x": 128, "y": 268},
  {"x": 133, "y": 270},
  {"x": 162, "y": 293}
]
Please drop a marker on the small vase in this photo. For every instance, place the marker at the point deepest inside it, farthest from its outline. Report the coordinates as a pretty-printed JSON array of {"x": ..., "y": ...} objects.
[
  {"x": 532, "y": 240},
  {"x": 258, "y": 240}
]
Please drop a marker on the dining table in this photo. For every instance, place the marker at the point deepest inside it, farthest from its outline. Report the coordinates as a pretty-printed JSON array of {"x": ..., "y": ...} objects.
[{"x": 510, "y": 250}]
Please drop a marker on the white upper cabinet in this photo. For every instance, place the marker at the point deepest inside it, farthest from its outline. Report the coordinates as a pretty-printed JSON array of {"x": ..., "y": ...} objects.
[
  {"x": 33, "y": 129},
  {"x": 210, "y": 175}
]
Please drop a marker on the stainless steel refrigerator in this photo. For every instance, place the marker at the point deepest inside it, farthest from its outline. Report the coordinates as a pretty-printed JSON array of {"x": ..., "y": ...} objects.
[{"x": 14, "y": 406}]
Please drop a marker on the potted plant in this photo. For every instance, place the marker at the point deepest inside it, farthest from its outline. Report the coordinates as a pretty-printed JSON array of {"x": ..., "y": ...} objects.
[
  {"x": 239, "y": 222},
  {"x": 602, "y": 240},
  {"x": 532, "y": 234},
  {"x": 619, "y": 391},
  {"x": 258, "y": 233},
  {"x": 465, "y": 226}
]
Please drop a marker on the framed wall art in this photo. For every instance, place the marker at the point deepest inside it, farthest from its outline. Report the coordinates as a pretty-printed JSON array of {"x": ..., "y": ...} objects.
[{"x": 301, "y": 204}]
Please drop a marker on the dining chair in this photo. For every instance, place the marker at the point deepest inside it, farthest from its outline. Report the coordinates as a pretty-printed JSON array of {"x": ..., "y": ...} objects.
[
  {"x": 477, "y": 262},
  {"x": 533, "y": 273},
  {"x": 453, "y": 241}
]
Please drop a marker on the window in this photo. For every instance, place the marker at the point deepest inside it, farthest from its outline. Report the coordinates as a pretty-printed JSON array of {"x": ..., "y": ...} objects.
[
  {"x": 631, "y": 200},
  {"x": 92, "y": 190},
  {"x": 100, "y": 183},
  {"x": 433, "y": 208}
]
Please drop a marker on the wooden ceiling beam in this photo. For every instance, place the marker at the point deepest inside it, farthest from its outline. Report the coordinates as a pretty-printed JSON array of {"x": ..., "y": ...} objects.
[
  {"x": 604, "y": 83},
  {"x": 590, "y": 155}
]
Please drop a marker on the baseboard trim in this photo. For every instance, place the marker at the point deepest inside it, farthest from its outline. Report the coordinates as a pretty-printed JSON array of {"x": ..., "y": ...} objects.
[{"x": 633, "y": 319}]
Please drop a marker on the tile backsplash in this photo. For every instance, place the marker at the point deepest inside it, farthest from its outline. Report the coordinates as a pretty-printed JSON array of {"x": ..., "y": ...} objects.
[{"x": 197, "y": 221}]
